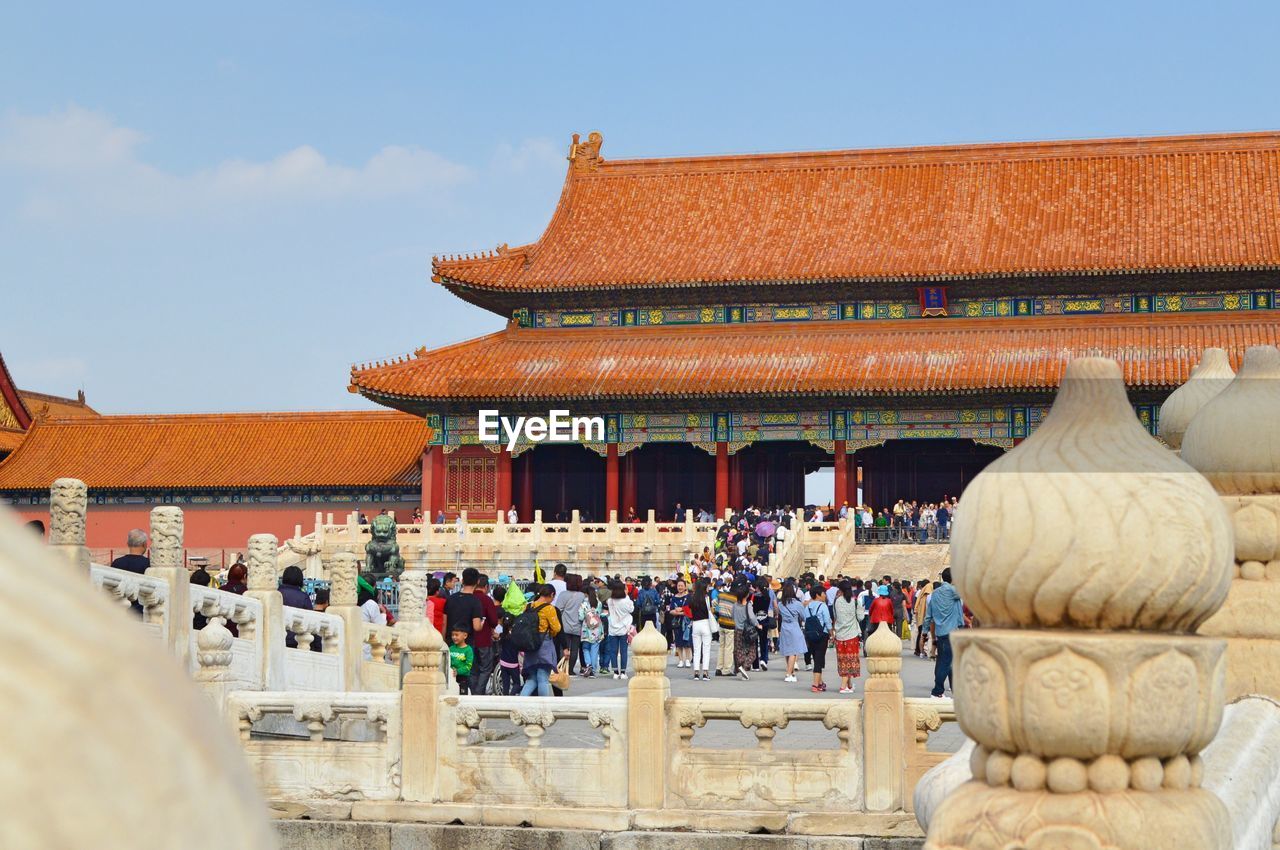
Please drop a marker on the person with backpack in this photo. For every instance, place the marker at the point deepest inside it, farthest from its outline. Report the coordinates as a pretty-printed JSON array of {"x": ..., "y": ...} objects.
[
  {"x": 725, "y": 600},
  {"x": 593, "y": 629},
  {"x": 617, "y": 640},
  {"x": 681, "y": 630},
  {"x": 698, "y": 615},
  {"x": 817, "y": 633},
  {"x": 533, "y": 633},
  {"x": 509, "y": 682},
  {"x": 791, "y": 639},
  {"x": 844, "y": 616},
  {"x": 746, "y": 638}
]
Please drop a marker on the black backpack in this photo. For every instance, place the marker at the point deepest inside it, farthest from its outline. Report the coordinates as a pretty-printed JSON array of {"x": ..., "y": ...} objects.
[
  {"x": 813, "y": 630},
  {"x": 525, "y": 635}
]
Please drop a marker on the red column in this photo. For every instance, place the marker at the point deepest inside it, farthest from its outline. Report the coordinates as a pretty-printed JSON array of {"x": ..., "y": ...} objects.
[
  {"x": 842, "y": 477},
  {"x": 425, "y": 497},
  {"x": 735, "y": 481},
  {"x": 610, "y": 478},
  {"x": 525, "y": 508},
  {"x": 722, "y": 478},
  {"x": 503, "y": 499},
  {"x": 628, "y": 484},
  {"x": 433, "y": 473}
]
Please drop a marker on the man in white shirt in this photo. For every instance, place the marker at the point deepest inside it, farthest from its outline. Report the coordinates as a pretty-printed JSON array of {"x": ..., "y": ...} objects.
[
  {"x": 512, "y": 516},
  {"x": 557, "y": 579}
]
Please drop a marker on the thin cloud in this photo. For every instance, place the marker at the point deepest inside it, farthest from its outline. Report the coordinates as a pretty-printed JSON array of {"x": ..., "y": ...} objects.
[{"x": 80, "y": 160}]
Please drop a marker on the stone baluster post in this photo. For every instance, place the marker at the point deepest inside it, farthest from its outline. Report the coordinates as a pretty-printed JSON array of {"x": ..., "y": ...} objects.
[
  {"x": 424, "y": 686},
  {"x": 264, "y": 585},
  {"x": 344, "y": 569},
  {"x": 68, "y": 509},
  {"x": 883, "y": 719},
  {"x": 647, "y": 695},
  {"x": 1233, "y": 441},
  {"x": 1210, "y": 377},
  {"x": 689, "y": 534},
  {"x": 167, "y": 563},
  {"x": 612, "y": 536},
  {"x": 1090, "y": 554},
  {"x": 213, "y": 662}
]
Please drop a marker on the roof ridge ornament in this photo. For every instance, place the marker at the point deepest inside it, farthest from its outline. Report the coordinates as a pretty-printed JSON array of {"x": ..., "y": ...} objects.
[{"x": 585, "y": 156}]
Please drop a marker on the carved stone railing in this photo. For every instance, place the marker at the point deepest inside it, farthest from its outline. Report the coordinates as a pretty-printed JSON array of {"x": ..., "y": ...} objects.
[
  {"x": 380, "y": 669},
  {"x": 321, "y": 744},
  {"x": 501, "y": 547},
  {"x": 788, "y": 560},
  {"x": 924, "y": 717},
  {"x": 151, "y": 594},
  {"x": 533, "y": 774},
  {"x": 246, "y": 614},
  {"x": 633, "y": 762},
  {"x": 835, "y": 553},
  {"x": 304, "y": 669},
  {"x": 791, "y": 780}
]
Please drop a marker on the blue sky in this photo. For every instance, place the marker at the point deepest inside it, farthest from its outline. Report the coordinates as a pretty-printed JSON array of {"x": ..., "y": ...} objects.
[{"x": 223, "y": 206}]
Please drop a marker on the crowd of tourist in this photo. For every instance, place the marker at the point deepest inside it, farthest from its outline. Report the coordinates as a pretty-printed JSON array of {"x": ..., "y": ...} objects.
[
  {"x": 721, "y": 613},
  {"x": 513, "y": 640}
]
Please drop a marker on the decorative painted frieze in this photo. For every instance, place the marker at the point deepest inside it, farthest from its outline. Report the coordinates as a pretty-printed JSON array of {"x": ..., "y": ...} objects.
[{"x": 956, "y": 308}]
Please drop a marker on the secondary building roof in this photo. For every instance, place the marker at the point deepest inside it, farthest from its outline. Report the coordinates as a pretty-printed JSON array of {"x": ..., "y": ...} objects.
[
  {"x": 337, "y": 450},
  {"x": 43, "y": 404},
  {"x": 930, "y": 213},
  {"x": 808, "y": 359}
]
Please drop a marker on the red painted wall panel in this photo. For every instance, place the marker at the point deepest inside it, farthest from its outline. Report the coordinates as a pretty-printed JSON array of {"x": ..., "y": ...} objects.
[{"x": 216, "y": 526}]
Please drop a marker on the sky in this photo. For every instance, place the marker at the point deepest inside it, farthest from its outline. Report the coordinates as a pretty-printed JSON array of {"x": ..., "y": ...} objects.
[{"x": 210, "y": 207}]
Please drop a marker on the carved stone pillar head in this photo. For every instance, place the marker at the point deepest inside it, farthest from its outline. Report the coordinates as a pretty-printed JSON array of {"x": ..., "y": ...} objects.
[
  {"x": 1210, "y": 377},
  {"x": 649, "y": 649},
  {"x": 1235, "y": 443},
  {"x": 68, "y": 507},
  {"x": 884, "y": 653},
  {"x": 425, "y": 646},
  {"x": 264, "y": 551},
  {"x": 166, "y": 537},
  {"x": 1234, "y": 440},
  {"x": 213, "y": 651},
  {"x": 1090, "y": 554},
  {"x": 344, "y": 570}
]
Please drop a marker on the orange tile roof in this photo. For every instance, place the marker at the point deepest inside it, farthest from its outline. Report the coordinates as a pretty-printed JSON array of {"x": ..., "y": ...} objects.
[
  {"x": 809, "y": 359},
  {"x": 10, "y": 440},
  {"x": 222, "y": 451},
  {"x": 14, "y": 415},
  {"x": 43, "y": 404},
  {"x": 929, "y": 213}
]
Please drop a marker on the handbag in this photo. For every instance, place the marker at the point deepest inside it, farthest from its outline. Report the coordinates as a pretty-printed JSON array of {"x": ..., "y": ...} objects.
[
  {"x": 715, "y": 625},
  {"x": 560, "y": 676}
]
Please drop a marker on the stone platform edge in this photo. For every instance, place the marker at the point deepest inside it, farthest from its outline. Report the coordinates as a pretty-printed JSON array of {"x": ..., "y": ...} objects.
[
  {"x": 707, "y": 823},
  {"x": 372, "y": 835}
]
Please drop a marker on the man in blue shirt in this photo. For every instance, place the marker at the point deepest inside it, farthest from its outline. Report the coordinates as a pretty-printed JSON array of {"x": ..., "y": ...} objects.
[{"x": 944, "y": 614}]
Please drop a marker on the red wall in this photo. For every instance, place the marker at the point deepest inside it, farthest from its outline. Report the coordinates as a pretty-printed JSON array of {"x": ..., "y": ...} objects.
[{"x": 215, "y": 526}]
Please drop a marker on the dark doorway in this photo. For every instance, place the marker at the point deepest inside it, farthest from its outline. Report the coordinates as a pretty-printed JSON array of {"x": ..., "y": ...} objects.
[
  {"x": 567, "y": 477},
  {"x": 922, "y": 470},
  {"x": 667, "y": 473},
  {"x": 772, "y": 472}
]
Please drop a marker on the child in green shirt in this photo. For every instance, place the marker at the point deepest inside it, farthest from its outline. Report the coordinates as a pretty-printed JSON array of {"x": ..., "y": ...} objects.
[{"x": 461, "y": 657}]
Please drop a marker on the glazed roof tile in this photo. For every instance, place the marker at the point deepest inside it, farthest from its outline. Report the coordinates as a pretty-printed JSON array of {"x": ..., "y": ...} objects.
[
  {"x": 221, "y": 451},
  {"x": 43, "y": 404},
  {"x": 810, "y": 358},
  {"x": 931, "y": 213}
]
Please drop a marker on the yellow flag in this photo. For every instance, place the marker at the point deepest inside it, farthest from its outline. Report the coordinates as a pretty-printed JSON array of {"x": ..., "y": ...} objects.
[
  {"x": 688, "y": 579},
  {"x": 538, "y": 577}
]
